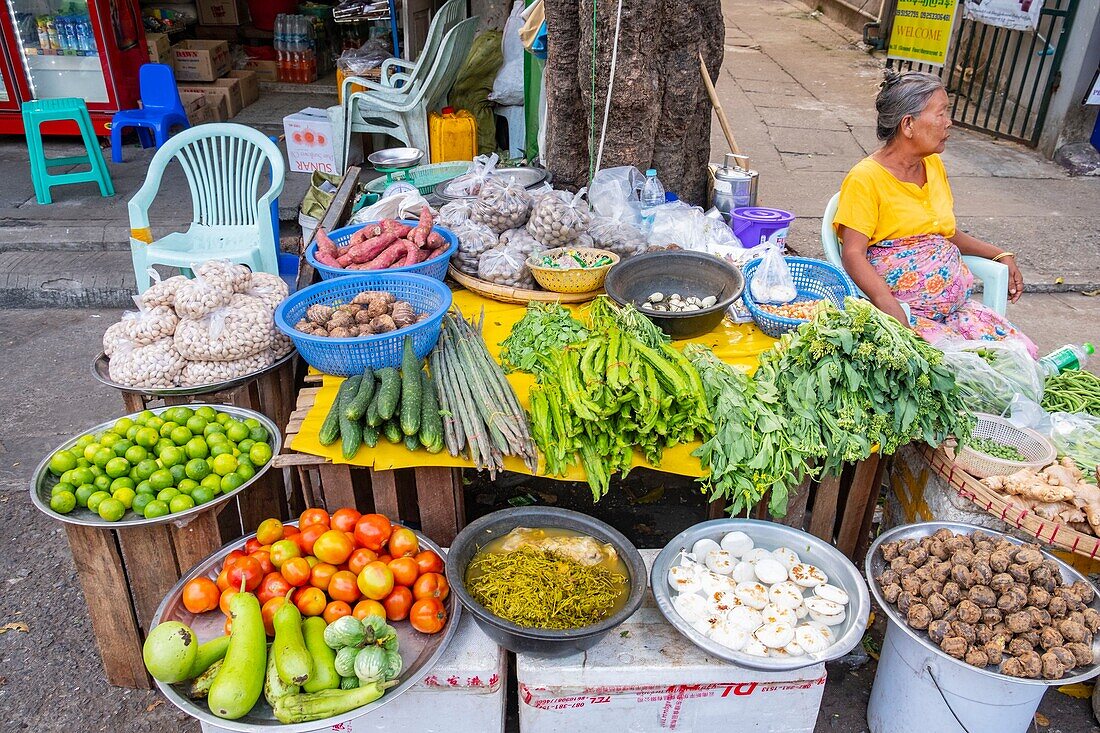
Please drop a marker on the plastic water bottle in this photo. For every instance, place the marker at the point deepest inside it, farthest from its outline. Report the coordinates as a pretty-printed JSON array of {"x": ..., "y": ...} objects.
[
  {"x": 280, "y": 22},
  {"x": 653, "y": 192},
  {"x": 1066, "y": 357}
]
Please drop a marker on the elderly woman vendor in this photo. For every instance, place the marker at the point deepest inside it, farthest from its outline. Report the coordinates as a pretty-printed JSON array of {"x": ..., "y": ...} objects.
[{"x": 896, "y": 221}]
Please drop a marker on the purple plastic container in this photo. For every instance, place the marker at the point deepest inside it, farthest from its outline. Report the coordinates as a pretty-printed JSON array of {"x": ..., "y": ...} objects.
[{"x": 755, "y": 225}]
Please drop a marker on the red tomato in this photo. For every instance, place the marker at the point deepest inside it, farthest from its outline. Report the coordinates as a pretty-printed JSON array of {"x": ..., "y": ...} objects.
[
  {"x": 232, "y": 557},
  {"x": 335, "y": 610},
  {"x": 289, "y": 530},
  {"x": 376, "y": 580},
  {"x": 247, "y": 570},
  {"x": 201, "y": 595},
  {"x": 372, "y": 531},
  {"x": 360, "y": 559},
  {"x": 431, "y": 585},
  {"x": 296, "y": 571},
  {"x": 385, "y": 559},
  {"x": 403, "y": 542},
  {"x": 333, "y": 547},
  {"x": 264, "y": 558},
  {"x": 345, "y": 519},
  {"x": 223, "y": 580},
  {"x": 429, "y": 562},
  {"x": 398, "y": 603},
  {"x": 343, "y": 587},
  {"x": 223, "y": 602},
  {"x": 268, "y": 612},
  {"x": 310, "y": 601},
  {"x": 404, "y": 571},
  {"x": 428, "y": 615},
  {"x": 313, "y": 516},
  {"x": 368, "y": 607},
  {"x": 252, "y": 545},
  {"x": 283, "y": 550},
  {"x": 321, "y": 575},
  {"x": 273, "y": 585},
  {"x": 270, "y": 531},
  {"x": 308, "y": 536}
]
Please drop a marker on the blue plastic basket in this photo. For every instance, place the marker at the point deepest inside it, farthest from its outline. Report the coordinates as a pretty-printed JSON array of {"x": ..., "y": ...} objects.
[
  {"x": 345, "y": 357},
  {"x": 813, "y": 279},
  {"x": 435, "y": 267}
]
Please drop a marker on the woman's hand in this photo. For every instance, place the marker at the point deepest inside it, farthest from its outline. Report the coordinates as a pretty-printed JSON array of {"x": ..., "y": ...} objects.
[{"x": 1015, "y": 279}]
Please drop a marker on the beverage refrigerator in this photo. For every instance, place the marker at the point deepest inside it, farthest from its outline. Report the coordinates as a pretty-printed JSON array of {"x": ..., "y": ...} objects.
[{"x": 70, "y": 48}]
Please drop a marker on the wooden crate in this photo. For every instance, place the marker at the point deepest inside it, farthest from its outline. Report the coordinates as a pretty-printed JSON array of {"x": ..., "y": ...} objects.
[{"x": 429, "y": 497}]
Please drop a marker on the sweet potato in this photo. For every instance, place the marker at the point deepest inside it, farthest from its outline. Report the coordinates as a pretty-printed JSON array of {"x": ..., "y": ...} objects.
[
  {"x": 436, "y": 240},
  {"x": 325, "y": 245},
  {"x": 366, "y": 250},
  {"x": 387, "y": 257},
  {"x": 419, "y": 236},
  {"x": 325, "y": 258},
  {"x": 413, "y": 254}
]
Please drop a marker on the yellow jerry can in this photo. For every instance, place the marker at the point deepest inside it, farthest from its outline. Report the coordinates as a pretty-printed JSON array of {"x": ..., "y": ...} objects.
[{"x": 452, "y": 135}]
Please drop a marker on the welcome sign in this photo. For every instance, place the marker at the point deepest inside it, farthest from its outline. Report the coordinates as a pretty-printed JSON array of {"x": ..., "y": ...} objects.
[{"x": 922, "y": 31}]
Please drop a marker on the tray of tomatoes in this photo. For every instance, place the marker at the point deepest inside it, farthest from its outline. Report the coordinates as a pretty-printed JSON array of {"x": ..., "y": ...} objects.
[{"x": 327, "y": 565}]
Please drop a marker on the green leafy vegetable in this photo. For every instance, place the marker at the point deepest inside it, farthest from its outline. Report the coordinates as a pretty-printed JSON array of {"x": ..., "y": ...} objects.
[{"x": 544, "y": 329}]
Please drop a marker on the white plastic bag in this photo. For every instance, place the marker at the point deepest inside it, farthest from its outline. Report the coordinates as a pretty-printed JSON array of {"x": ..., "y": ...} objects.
[
  {"x": 689, "y": 227},
  {"x": 157, "y": 364},
  {"x": 402, "y": 205},
  {"x": 505, "y": 265},
  {"x": 508, "y": 86},
  {"x": 1077, "y": 435},
  {"x": 557, "y": 218},
  {"x": 772, "y": 281},
  {"x": 616, "y": 236},
  {"x": 146, "y": 325},
  {"x": 242, "y": 328},
  {"x": 239, "y": 276},
  {"x": 470, "y": 182},
  {"x": 161, "y": 292},
  {"x": 990, "y": 374},
  {"x": 271, "y": 290},
  {"x": 613, "y": 194},
  {"x": 204, "y": 294},
  {"x": 455, "y": 213},
  {"x": 211, "y": 372},
  {"x": 521, "y": 240},
  {"x": 474, "y": 240},
  {"x": 502, "y": 204}
]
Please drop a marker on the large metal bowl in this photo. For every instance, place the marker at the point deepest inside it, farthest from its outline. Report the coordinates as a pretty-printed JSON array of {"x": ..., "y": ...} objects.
[
  {"x": 523, "y": 176},
  {"x": 101, "y": 370},
  {"x": 42, "y": 481},
  {"x": 419, "y": 652},
  {"x": 768, "y": 535},
  {"x": 875, "y": 565}
]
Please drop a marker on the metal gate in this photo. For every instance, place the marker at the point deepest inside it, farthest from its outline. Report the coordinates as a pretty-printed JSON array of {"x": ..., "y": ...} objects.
[{"x": 1001, "y": 80}]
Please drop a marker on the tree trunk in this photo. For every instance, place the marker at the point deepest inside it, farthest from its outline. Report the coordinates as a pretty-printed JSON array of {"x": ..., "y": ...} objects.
[{"x": 660, "y": 113}]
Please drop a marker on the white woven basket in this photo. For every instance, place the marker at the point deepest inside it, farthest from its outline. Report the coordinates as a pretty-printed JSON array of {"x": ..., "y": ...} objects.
[{"x": 1034, "y": 447}]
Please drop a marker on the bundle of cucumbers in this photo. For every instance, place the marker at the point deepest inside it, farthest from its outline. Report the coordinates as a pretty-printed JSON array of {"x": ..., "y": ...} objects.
[{"x": 386, "y": 403}]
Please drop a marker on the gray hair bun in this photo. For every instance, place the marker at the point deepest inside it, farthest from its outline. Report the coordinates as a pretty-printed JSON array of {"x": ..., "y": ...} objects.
[{"x": 902, "y": 95}]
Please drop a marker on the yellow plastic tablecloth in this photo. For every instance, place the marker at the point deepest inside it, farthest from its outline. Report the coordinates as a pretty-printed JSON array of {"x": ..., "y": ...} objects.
[{"x": 738, "y": 344}]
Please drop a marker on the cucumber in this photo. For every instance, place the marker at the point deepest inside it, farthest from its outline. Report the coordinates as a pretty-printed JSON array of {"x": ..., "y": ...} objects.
[
  {"x": 389, "y": 392},
  {"x": 357, "y": 404},
  {"x": 330, "y": 428},
  {"x": 410, "y": 390},
  {"x": 392, "y": 431},
  {"x": 372, "y": 417},
  {"x": 351, "y": 435},
  {"x": 412, "y": 442},
  {"x": 431, "y": 422},
  {"x": 370, "y": 436}
]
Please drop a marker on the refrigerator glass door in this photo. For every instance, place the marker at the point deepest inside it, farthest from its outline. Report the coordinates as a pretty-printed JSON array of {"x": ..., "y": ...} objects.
[{"x": 58, "y": 49}]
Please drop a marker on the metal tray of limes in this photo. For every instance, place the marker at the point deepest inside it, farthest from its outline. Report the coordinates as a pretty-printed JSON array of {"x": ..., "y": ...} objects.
[
  {"x": 44, "y": 479},
  {"x": 101, "y": 370},
  {"x": 419, "y": 652}
]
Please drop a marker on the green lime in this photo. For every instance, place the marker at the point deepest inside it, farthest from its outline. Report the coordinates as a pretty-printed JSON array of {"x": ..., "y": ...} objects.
[
  {"x": 180, "y": 435},
  {"x": 223, "y": 418},
  {"x": 212, "y": 428},
  {"x": 83, "y": 492},
  {"x": 136, "y": 454},
  {"x": 132, "y": 432},
  {"x": 122, "y": 425},
  {"x": 84, "y": 441},
  {"x": 156, "y": 508},
  {"x": 134, "y": 474},
  {"x": 82, "y": 476},
  {"x": 179, "y": 473},
  {"x": 146, "y": 468},
  {"x": 197, "y": 469},
  {"x": 161, "y": 445},
  {"x": 67, "y": 477},
  {"x": 122, "y": 482},
  {"x": 96, "y": 471},
  {"x": 167, "y": 494},
  {"x": 258, "y": 434},
  {"x": 235, "y": 430},
  {"x": 260, "y": 454},
  {"x": 61, "y": 462},
  {"x": 143, "y": 417},
  {"x": 172, "y": 455},
  {"x": 90, "y": 451},
  {"x": 102, "y": 482},
  {"x": 161, "y": 479},
  {"x": 186, "y": 486},
  {"x": 196, "y": 424},
  {"x": 103, "y": 456},
  {"x": 212, "y": 482},
  {"x": 62, "y": 486},
  {"x": 120, "y": 447},
  {"x": 109, "y": 439},
  {"x": 154, "y": 422},
  {"x": 63, "y": 502},
  {"x": 117, "y": 467},
  {"x": 221, "y": 449},
  {"x": 147, "y": 437},
  {"x": 183, "y": 414},
  {"x": 125, "y": 495},
  {"x": 95, "y": 499},
  {"x": 245, "y": 444},
  {"x": 111, "y": 509},
  {"x": 180, "y": 503},
  {"x": 166, "y": 429},
  {"x": 145, "y": 488},
  {"x": 141, "y": 501},
  {"x": 207, "y": 413},
  {"x": 202, "y": 494},
  {"x": 231, "y": 481},
  {"x": 197, "y": 448},
  {"x": 224, "y": 465},
  {"x": 245, "y": 471},
  {"x": 83, "y": 462}
]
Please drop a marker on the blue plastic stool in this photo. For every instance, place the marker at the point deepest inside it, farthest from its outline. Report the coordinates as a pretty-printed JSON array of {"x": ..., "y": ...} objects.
[
  {"x": 63, "y": 108},
  {"x": 161, "y": 109}
]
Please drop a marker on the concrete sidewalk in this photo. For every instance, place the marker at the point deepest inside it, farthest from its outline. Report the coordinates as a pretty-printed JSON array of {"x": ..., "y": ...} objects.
[{"x": 799, "y": 92}]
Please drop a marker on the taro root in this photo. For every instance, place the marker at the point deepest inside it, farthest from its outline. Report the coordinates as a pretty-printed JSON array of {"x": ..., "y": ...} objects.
[
  {"x": 365, "y": 329},
  {"x": 937, "y": 604},
  {"x": 383, "y": 324},
  {"x": 377, "y": 307},
  {"x": 937, "y": 630},
  {"x": 1018, "y": 622},
  {"x": 403, "y": 314},
  {"x": 999, "y": 561},
  {"x": 992, "y": 616},
  {"x": 1012, "y": 600},
  {"x": 891, "y": 592},
  {"x": 1050, "y": 637},
  {"x": 983, "y": 596},
  {"x": 1073, "y": 631},
  {"x": 969, "y": 612},
  {"x": 1037, "y": 597},
  {"x": 1018, "y": 647},
  {"x": 341, "y": 332},
  {"x": 976, "y": 657},
  {"x": 964, "y": 631},
  {"x": 889, "y": 550},
  {"x": 953, "y": 592},
  {"x": 319, "y": 314},
  {"x": 888, "y": 577},
  {"x": 918, "y": 616},
  {"x": 1092, "y": 619},
  {"x": 363, "y": 316},
  {"x": 954, "y": 646},
  {"x": 1081, "y": 652},
  {"x": 929, "y": 588},
  {"x": 911, "y": 584},
  {"x": 1001, "y": 582},
  {"x": 340, "y": 319},
  {"x": 1019, "y": 573}
]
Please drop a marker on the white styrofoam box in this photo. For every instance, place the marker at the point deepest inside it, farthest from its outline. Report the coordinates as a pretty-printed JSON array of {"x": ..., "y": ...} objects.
[
  {"x": 646, "y": 676},
  {"x": 463, "y": 693},
  {"x": 309, "y": 142}
]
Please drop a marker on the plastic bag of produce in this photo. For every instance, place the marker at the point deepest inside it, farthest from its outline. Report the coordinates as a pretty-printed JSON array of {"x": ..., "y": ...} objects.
[
  {"x": 244, "y": 327},
  {"x": 161, "y": 292},
  {"x": 157, "y": 364},
  {"x": 616, "y": 236},
  {"x": 268, "y": 289},
  {"x": 455, "y": 213},
  {"x": 502, "y": 204},
  {"x": 203, "y": 294},
  {"x": 613, "y": 193},
  {"x": 690, "y": 228},
  {"x": 522, "y": 241},
  {"x": 772, "y": 281},
  {"x": 557, "y": 218},
  {"x": 146, "y": 325},
  {"x": 505, "y": 265},
  {"x": 400, "y": 205},
  {"x": 1077, "y": 435},
  {"x": 469, "y": 183},
  {"x": 239, "y": 276},
  {"x": 210, "y": 372},
  {"x": 990, "y": 374},
  {"x": 474, "y": 240}
]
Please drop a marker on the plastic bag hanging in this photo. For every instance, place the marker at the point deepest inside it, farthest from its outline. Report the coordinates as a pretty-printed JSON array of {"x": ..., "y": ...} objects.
[{"x": 772, "y": 281}]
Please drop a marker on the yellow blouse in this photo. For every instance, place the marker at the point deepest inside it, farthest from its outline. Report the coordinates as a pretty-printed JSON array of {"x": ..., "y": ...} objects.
[{"x": 875, "y": 203}]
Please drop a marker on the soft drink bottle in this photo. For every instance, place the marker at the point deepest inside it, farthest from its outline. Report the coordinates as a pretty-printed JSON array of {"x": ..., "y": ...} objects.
[
  {"x": 1066, "y": 357},
  {"x": 280, "y": 47}
]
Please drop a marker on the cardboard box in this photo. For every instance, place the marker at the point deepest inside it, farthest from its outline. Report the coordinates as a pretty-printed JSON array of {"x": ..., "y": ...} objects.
[
  {"x": 201, "y": 60},
  {"x": 160, "y": 48},
  {"x": 192, "y": 101},
  {"x": 265, "y": 70},
  {"x": 223, "y": 12},
  {"x": 309, "y": 141},
  {"x": 202, "y": 114},
  {"x": 218, "y": 98},
  {"x": 250, "y": 84},
  {"x": 229, "y": 33},
  {"x": 235, "y": 99}
]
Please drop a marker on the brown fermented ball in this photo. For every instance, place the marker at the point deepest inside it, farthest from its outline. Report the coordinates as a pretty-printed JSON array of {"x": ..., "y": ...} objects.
[
  {"x": 962, "y": 557},
  {"x": 1018, "y": 647},
  {"x": 907, "y": 546},
  {"x": 964, "y": 630},
  {"x": 917, "y": 556},
  {"x": 1033, "y": 665},
  {"x": 961, "y": 574},
  {"x": 1037, "y": 597},
  {"x": 1092, "y": 619},
  {"x": 898, "y": 563},
  {"x": 888, "y": 577},
  {"x": 891, "y": 592},
  {"x": 1072, "y": 598},
  {"x": 952, "y": 614},
  {"x": 983, "y": 596},
  {"x": 941, "y": 572},
  {"x": 937, "y": 604},
  {"x": 954, "y": 646},
  {"x": 929, "y": 588},
  {"x": 1073, "y": 631},
  {"x": 889, "y": 550},
  {"x": 1053, "y": 669},
  {"x": 953, "y": 592},
  {"x": 1050, "y": 637},
  {"x": 962, "y": 542},
  {"x": 1031, "y": 636},
  {"x": 1019, "y": 573},
  {"x": 938, "y": 550},
  {"x": 1001, "y": 582},
  {"x": 918, "y": 616},
  {"x": 1018, "y": 622},
  {"x": 1085, "y": 591},
  {"x": 992, "y": 616},
  {"x": 981, "y": 573},
  {"x": 1057, "y": 607},
  {"x": 1012, "y": 667},
  {"x": 1012, "y": 600},
  {"x": 969, "y": 611},
  {"x": 993, "y": 652},
  {"x": 937, "y": 630},
  {"x": 978, "y": 537},
  {"x": 1065, "y": 656},
  {"x": 1039, "y": 617},
  {"x": 1029, "y": 556},
  {"x": 905, "y": 599},
  {"x": 943, "y": 534},
  {"x": 923, "y": 573},
  {"x": 999, "y": 561},
  {"x": 1081, "y": 652},
  {"x": 911, "y": 584},
  {"x": 983, "y": 633},
  {"x": 976, "y": 657}
]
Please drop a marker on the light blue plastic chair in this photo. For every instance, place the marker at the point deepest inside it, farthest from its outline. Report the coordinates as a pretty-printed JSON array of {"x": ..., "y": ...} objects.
[
  {"x": 161, "y": 110},
  {"x": 994, "y": 275},
  {"x": 232, "y": 215}
]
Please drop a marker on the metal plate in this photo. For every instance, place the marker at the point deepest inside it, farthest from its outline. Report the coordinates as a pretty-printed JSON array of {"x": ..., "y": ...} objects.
[
  {"x": 42, "y": 481},
  {"x": 524, "y": 176},
  {"x": 419, "y": 652},
  {"x": 395, "y": 158},
  {"x": 875, "y": 565},
  {"x": 768, "y": 535},
  {"x": 101, "y": 371}
]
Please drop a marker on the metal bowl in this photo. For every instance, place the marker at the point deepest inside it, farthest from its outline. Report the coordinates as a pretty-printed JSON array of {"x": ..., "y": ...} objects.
[
  {"x": 419, "y": 651},
  {"x": 875, "y": 565},
  {"x": 395, "y": 158},
  {"x": 541, "y": 642},
  {"x": 524, "y": 176},
  {"x": 677, "y": 271},
  {"x": 768, "y": 535},
  {"x": 101, "y": 370},
  {"x": 42, "y": 481}
]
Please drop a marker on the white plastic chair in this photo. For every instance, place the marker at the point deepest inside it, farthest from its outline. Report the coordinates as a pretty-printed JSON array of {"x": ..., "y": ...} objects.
[
  {"x": 444, "y": 19},
  {"x": 994, "y": 275},
  {"x": 405, "y": 117},
  {"x": 231, "y": 218}
]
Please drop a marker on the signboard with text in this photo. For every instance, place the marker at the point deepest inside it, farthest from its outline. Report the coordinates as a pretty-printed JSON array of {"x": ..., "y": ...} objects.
[
  {"x": 1017, "y": 15},
  {"x": 922, "y": 31}
]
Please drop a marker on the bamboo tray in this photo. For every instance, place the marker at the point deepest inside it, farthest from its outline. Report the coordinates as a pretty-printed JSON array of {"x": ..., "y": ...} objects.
[
  {"x": 1008, "y": 510},
  {"x": 517, "y": 296}
]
